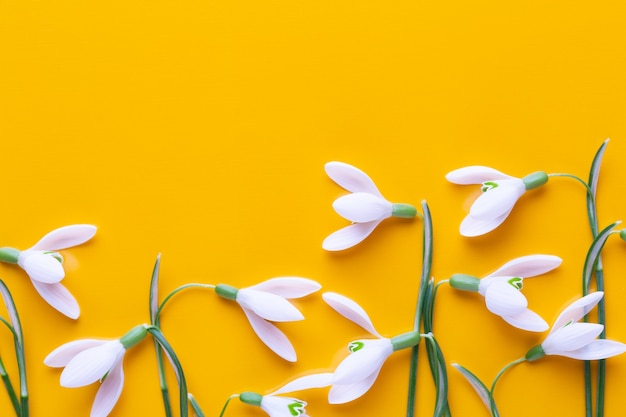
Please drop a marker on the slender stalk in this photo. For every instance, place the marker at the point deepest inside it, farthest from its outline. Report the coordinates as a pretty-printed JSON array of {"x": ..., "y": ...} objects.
[
  {"x": 427, "y": 259},
  {"x": 182, "y": 383},
  {"x": 494, "y": 410},
  {"x": 226, "y": 404},
  {"x": 9, "y": 388}
]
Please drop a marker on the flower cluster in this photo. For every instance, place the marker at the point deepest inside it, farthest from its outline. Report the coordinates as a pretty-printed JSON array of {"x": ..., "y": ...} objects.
[{"x": 267, "y": 304}]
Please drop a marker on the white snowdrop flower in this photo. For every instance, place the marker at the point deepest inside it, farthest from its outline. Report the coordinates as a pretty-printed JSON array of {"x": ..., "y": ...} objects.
[
  {"x": 576, "y": 340},
  {"x": 502, "y": 289},
  {"x": 279, "y": 406},
  {"x": 267, "y": 302},
  {"x": 365, "y": 207},
  {"x": 44, "y": 265},
  {"x": 500, "y": 193},
  {"x": 90, "y": 360},
  {"x": 358, "y": 371}
]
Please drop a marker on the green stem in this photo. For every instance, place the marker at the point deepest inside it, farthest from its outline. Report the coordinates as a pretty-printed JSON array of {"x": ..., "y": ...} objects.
[
  {"x": 158, "y": 350},
  {"x": 427, "y": 259},
  {"x": 180, "y": 375},
  {"x": 226, "y": 404},
  {"x": 9, "y": 388},
  {"x": 173, "y": 293},
  {"x": 494, "y": 410}
]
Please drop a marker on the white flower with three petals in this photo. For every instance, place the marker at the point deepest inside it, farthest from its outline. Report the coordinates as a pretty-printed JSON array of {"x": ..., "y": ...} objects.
[
  {"x": 358, "y": 371},
  {"x": 279, "y": 406},
  {"x": 90, "y": 360},
  {"x": 365, "y": 206},
  {"x": 501, "y": 289},
  {"x": 44, "y": 266},
  {"x": 500, "y": 193},
  {"x": 576, "y": 340},
  {"x": 267, "y": 302}
]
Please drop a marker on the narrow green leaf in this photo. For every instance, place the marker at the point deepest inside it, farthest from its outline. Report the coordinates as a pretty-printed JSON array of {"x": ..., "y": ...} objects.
[
  {"x": 594, "y": 253},
  {"x": 154, "y": 292},
  {"x": 594, "y": 174},
  {"x": 195, "y": 406},
  {"x": 480, "y": 388},
  {"x": 182, "y": 383}
]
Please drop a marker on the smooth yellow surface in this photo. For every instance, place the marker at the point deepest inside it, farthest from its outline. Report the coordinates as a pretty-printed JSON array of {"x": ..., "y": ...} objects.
[{"x": 199, "y": 130}]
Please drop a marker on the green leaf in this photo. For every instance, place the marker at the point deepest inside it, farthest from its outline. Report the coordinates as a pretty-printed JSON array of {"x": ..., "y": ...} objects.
[
  {"x": 477, "y": 384},
  {"x": 154, "y": 292},
  {"x": 594, "y": 253}
]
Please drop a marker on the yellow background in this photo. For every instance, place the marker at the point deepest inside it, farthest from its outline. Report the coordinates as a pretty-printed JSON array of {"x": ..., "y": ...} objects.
[{"x": 199, "y": 129}]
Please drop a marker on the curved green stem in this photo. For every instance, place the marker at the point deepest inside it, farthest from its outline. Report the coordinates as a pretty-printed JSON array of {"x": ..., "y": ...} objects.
[
  {"x": 9, "y": 388},
  {"x": 427, "y": 259},
  {"x": 228, "y": 402},
  {"x": 173, "y": 293},
  {"x": 180, "y": 375},
  {"x": 494, "y": 411}
]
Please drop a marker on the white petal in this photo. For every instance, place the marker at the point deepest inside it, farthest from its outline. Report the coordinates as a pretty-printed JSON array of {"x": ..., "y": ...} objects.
[
  {"x": 271, "y": 336},
  {"x": 471, "y": 227},
  {"x": 348, "y": 236},
  {"x": 288, "y": 287},
  {"x": 350, "y": 310},
  {"x": 340, "y": 394},
  {"x": 571, "y": 337},
  {"x": 306, "y": 382},
  {"x": 364, "y": 362},
  {"x": 279, "y": 406},
  {"x": 528, "y": 266},
  {"x": 61, "y": 356},
  {"x": 41, "y": 267},
  {"x": 269, "y": 306},
  {"x": 362, "y": 207},
  {"x": 351, "y": 178},
  {"x": 58, "y": 297},
  {"x": 91, "y": 365},
  {"x": 497, "y": 201},
  {"x": 505, "y": 300},
  {"x": 66, "y": 237},
  {"x": 109, "y": 392},
  {"x": 527, "y": 320},
  {"x": 598, "y": 349},
  {"x": 475, "y": 175},
  {"x": 577, "y": 309}
]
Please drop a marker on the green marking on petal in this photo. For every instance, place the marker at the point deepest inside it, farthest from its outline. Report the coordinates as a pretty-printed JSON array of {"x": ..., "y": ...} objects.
[
  {"x": 355, "y": 346},
  {"x": 517, "y": 282},
  {"x": 55, "y": 255},
  {"x": 296, "y": 408},
  {"x": 488, "y": 185}
]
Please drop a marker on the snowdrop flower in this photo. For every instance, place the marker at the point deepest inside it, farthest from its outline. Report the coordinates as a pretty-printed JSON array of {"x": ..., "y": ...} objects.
[
  {"x": 277, "y": 406},
  {"x": 89, "y": 360},
  {"x": 365, "y": 207},
  {"x": 44, "y": 265},
  {"x": 574, "y": 339},
  {"x": 267, "y": 302},
  {"x": 500, "y": 193},
  {"x": 501, "y": 289},
  {"x": 357, "y": 372}
]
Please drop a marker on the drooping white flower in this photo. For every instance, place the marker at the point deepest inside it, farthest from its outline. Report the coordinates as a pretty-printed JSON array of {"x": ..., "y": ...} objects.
[
  {"x": 267, "y": 302},
  {"x": 365, "y": 207},
  {"x": 501, "y": 289},
  {"x": 358, "y": 371},
  {"x": 279, "y": 406},
  {"x": 43, "y": 264},
  {"x": 500, "y": 193},
  {"x": 90, "y": 360},
  {"x": 573, "y": 339}
]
